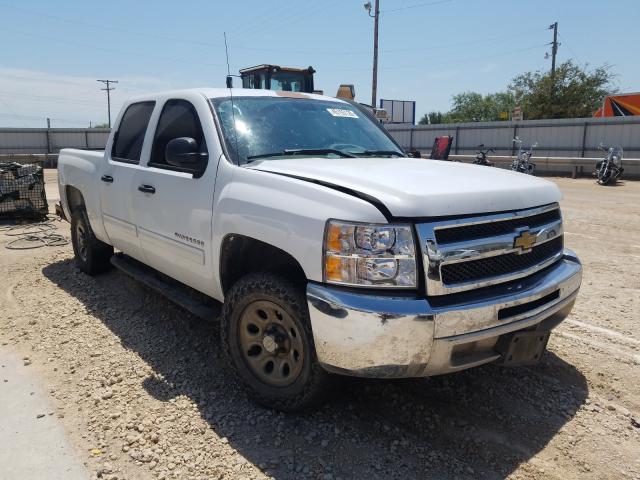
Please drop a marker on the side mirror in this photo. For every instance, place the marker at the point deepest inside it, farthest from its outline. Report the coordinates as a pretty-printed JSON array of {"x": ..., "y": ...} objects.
[
  {"x": 183, "y": 152},
  {"x": 229, "y": 82}
]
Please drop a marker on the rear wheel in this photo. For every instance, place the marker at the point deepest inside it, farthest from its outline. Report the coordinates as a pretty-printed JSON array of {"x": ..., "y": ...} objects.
[
  {"x": 91, "y": 255},
  {"x": 266, "y": 333}
]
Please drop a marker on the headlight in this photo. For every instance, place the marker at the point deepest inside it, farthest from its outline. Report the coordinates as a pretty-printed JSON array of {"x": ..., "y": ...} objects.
[{"x": 369, "y": 255}]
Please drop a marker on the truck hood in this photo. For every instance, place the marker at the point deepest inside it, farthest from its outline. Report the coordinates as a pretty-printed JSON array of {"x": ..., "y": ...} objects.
[{"x": 414, "y": 187}]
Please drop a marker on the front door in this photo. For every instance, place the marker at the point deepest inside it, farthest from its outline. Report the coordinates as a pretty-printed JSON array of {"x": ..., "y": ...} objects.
[
  {"x": 116, "y": 178},
  {"x": 172, "y": 206}
]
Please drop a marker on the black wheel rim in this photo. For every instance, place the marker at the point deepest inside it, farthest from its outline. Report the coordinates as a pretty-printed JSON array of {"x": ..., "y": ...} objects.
[
  {"x": 81, "y": 241},
  {"x": 271, "y": 343}
]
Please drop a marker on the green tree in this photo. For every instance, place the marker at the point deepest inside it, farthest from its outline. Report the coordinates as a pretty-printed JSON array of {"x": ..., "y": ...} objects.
[
  {"x": 573, "y": 92},
  {"x": 101, "y": 125},
  {"x": 434, "y": 117},
  {"x": 499, "y": 103},
  {"x": 475, "y": 107}
]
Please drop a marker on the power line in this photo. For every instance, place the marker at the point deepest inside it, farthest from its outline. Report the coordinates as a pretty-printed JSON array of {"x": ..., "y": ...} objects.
[
  {"x": 417, "y": 5},
  {"x": 41, "y": 117},
  {"x": 466, "y": 44},
  {"x": 108, "y": 90},
  {"x": 287, "y": 20},
  {"x": 260, "y": 22},
  {"x": 293, "y": 17},
  {"x": 452, "y": 61},
  {"x": 76, "y": 21},
  {"x": 46, "y": 99},
  {"x": 13, "y": 114},
  {"x": 564, "y": 42},
  {"x": 111, "y": 50}
]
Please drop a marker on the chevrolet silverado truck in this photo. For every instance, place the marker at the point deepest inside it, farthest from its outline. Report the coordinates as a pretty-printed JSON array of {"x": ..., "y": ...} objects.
[{"x": 322, "y": 248}]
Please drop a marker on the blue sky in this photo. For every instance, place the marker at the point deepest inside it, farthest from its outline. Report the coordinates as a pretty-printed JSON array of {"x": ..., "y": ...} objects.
[{"x": 429, "y": 50}]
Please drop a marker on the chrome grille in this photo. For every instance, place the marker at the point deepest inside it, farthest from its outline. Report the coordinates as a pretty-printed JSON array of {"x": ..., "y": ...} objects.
[
  {"x": 479, "y": 230},
  {"x": 499, "y": 265},
  {"x": 477, "y": 251}
]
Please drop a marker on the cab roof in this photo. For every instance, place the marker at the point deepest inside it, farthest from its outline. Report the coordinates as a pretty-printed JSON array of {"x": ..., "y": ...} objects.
[{"x": 227, "y": 92}]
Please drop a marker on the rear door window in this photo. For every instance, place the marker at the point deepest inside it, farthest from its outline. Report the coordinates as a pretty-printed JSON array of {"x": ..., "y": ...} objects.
[{"x": 127, "y": 144}]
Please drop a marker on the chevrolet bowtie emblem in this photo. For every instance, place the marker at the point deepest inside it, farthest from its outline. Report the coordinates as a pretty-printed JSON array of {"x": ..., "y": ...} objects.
[{"x": 524, "y": 241}]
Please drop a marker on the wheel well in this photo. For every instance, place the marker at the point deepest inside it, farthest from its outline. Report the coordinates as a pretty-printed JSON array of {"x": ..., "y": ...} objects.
[
  {"x": 74, "y": 198},
  {"x": 241, "y": 255}
]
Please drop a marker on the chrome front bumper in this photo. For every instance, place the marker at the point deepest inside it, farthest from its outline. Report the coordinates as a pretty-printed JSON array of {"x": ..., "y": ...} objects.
[{"x": 402, "y": 336}]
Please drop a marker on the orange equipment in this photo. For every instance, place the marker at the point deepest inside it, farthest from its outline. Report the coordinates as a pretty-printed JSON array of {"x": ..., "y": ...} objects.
[{"x": 620, "y": 106}]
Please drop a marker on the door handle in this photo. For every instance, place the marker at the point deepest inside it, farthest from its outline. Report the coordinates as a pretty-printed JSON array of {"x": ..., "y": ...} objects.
[
  {"x": 147, "y": 188},
  {"x": 107, "y": 178}
]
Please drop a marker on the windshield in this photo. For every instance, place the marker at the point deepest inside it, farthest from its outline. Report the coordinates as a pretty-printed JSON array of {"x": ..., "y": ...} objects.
[
  {"x": 616, "y": 154},
  {"x": 277, "y": 127}
]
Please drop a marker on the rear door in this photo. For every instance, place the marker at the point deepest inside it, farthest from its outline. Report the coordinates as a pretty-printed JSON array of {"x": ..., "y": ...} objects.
[
  {"x": 173, "y": 206},
  {"x": 116, "y": 177}
]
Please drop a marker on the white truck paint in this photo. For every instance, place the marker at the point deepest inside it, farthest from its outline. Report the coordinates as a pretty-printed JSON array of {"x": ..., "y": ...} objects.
[{"x": 183, "y": 227}]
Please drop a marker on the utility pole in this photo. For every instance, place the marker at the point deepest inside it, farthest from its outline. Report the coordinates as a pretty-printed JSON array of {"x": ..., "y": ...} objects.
[
  {"x": 374, "y": 82},
  {"x": 554, "y": 48},
  {"x": 108, "y": 90}
]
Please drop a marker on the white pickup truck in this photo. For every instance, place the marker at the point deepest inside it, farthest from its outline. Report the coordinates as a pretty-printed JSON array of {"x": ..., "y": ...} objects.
[{"x": 327, "y": 250}]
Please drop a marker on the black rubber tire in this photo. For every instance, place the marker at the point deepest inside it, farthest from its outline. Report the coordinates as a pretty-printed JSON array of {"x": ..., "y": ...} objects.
[
  {"x": 313, "y": 384},
  {"x": 98, "y": 254}
]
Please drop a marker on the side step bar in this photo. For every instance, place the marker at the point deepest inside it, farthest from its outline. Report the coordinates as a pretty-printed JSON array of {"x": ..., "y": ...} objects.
[{"x": 195, "y": 302}]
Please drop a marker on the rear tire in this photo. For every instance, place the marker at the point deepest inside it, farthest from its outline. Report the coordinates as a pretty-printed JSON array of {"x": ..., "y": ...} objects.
[
  {"x": 266, "y": 334},
  {"x": 91, "y": 255}
]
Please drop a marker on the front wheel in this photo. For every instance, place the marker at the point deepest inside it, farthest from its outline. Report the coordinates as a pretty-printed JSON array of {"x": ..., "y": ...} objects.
[
  {"x": 267, "y": 336},
  {"x": 604, "y": 175}
]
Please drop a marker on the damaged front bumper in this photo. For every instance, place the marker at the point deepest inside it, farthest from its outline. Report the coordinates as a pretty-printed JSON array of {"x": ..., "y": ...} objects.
[{"x": 384, "y": 336}]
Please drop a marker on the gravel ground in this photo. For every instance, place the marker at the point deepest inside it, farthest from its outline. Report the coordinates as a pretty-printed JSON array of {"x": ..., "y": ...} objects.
[{"x": 142, "y": 391}]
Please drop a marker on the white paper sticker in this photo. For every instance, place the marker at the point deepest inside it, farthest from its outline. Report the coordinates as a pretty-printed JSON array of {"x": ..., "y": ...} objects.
[{"x": 341, "y": 112}]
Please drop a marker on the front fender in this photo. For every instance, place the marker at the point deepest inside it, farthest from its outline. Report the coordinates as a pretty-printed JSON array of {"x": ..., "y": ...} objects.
[{"x": 285, "y": 212}]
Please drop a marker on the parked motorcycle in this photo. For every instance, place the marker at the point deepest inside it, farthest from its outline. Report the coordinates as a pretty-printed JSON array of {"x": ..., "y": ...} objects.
[
  {"x": 609, "y": 169},
  {"x": 522, "y": 162},
  {"x": 481, "y": 156}
]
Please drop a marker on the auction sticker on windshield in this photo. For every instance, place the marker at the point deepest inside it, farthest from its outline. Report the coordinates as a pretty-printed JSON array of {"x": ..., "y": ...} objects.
[{"x": 341, "y": 112}]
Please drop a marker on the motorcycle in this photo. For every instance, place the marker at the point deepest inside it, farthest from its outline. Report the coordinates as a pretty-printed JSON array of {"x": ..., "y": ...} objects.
[
  {"x": 609, "y": 169},
  {"x": 481, "y": 156},
  {"x": 522, "y": 162}
]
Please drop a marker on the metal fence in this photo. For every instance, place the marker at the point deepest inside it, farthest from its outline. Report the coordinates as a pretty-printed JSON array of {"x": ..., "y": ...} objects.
[
  {"x": 50, "y": 140},
  {"x": 574, "y": 137}
]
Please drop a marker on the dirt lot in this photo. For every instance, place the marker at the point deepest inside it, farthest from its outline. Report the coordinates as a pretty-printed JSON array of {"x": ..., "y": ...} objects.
[{"x": 142, "y": 391}]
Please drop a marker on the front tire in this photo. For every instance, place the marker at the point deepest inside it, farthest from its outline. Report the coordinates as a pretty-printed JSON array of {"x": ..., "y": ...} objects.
[
  {"x": 266, "y": 333},
  {"x": 91, "y": 255}
]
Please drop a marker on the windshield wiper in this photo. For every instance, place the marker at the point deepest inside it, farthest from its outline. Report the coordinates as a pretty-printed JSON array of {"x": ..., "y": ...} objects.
[
  {"x": 303, "y": 151},
  {"x": 378, "y": 152}
]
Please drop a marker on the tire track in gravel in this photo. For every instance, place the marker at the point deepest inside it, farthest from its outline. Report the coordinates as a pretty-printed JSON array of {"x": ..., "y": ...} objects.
[
  {"x": 10, "y": 297},
  {"x": 617, "y": 353},
  {"x": 622, "y": 338}
]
